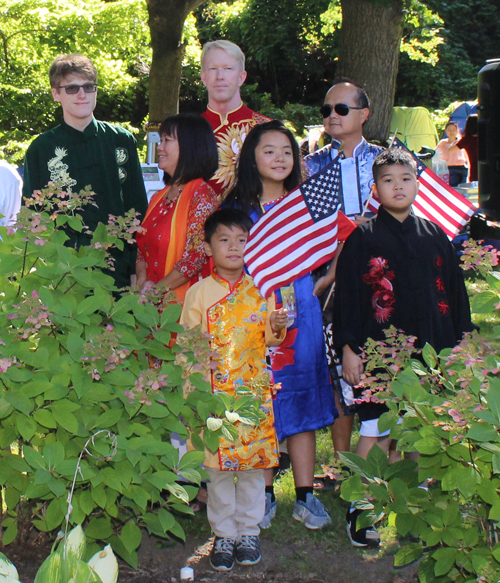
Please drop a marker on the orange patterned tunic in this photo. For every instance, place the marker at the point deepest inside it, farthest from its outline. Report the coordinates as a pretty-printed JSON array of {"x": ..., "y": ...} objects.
[{"x": 236, "y": 318}]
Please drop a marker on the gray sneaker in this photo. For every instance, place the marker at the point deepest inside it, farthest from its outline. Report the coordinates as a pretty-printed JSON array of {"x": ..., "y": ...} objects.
[
  {"x": 312, "y": 512},
  {"x": 222, "y": 555},
  {"x": 270, "y": 511}
]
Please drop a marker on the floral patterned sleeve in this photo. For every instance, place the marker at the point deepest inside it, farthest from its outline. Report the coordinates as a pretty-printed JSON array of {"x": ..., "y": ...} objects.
[{"x": 202, "y": 205}]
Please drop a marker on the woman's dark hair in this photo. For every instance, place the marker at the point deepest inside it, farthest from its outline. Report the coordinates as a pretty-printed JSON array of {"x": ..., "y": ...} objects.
[
  {"x": 198, "y": 157},
  {"x": 228, "y": 217},
  {"x": 471, "y": 126},
  {"x": 248, "y": 188}
]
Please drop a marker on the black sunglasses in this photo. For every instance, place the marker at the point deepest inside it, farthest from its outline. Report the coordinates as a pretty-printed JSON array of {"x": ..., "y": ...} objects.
[
  {"x": 340, "y": 109},
  {"x": 73, "y": 89}
]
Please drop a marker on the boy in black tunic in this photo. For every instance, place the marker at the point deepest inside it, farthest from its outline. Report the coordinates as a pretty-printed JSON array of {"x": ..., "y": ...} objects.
[{"x": 396, "y": 270}]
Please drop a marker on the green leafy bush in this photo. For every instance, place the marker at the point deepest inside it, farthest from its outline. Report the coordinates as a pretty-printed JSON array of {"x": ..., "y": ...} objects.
[
  {"x": 91, "y": 390},
  {"x": 450, "y": 410},
  {"x": 65, "y": 563}
]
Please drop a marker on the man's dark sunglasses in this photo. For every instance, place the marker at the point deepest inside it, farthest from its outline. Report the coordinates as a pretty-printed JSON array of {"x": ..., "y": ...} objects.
[
  {"x": 73, "y": 89},
  {"x": 340, "y": 109}
]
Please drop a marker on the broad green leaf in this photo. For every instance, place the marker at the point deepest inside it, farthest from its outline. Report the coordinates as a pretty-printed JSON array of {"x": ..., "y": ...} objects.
[
  {"x": 428, "y": 446},
  {"x": 57, "y": 486},
  {"x": 166, "y": 519},
  {"x": 131, "y": 536},
  {"x": 471, "y": 536},
  {"x": 482, "y": 432},
  {"x": 191, "y": 475},
  {"x": 178, "y": 491},
  {"x": 430, "y": 356},
  {"x": 495, "y": 512},
  {"x": 112, "y": 479},
  {"x": 33, "y": 457},
  {"x": 5, "y": 408},
  {"x": 53, "y": 454},
  {"x": 10, "y": 533},
  {"x": 409, "y": 553},
  {"x": 483, "y": 302},
  {"x": 75, "y": 346},
  {"x": 178, "y": 531},
  {"x": 50, "y": 569},
  {"x": 170, "y": 314},
  {"x": 445, "y": 559},
  {"x": 139, "y": 496},
  {"x": 387, "y": 421},
  {"x": 89, "y": 305},
  {"x": 54, "y": 514},
  {"x": 26, "y": 427},
  {"x": 356, "y": 464},
  {"x": 452, "y": 537},
  {"x": 36, "y": 387},
  {"x": 352, "y": 489},
  {"x": 157, "y": 411},
  {"x": 19, "y": 402},
  {"x": 451, "y": 513},
  {"x": 467, "y": 479},
  {"x": 99, "y": 529},
  {"x": 67, "y": 421},
  {"x": 45, "y": 418},
  {"x": 146, "y": 445},
  {"x": 99, "y": 496},
  {"x": 86, "y": 501},
  {"x": 109, "y": 418},
  {"x": 161, "y": 479},
  {"x": 377, "y": 460},
  {"x": 191, "y": 459},
  {"x": 83, "y": 276},
  {"x": 493, "y": 398},
  {"x": 120, "y": 549}
]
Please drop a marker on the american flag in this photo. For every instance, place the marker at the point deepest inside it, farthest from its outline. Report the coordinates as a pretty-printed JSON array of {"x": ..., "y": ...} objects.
[
  {"x": 298, "y": 234},
  {"x": 436, "y": 201}
]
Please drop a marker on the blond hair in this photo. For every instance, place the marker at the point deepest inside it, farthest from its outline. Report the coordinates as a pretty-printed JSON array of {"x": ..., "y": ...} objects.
[{"x": 225, "y": 45}]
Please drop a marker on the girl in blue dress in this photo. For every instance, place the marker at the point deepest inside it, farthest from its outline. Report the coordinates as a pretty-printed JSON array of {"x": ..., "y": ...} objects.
[{"x": 269, "y": 168}]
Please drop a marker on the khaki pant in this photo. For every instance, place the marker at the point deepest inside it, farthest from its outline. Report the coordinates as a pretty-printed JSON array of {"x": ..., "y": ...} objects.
[{"x": 236, "y": 508}]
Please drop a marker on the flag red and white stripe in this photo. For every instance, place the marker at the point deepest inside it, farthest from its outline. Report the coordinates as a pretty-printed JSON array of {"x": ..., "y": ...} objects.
[
  {"x": 297, "y": 235},
  {"x": 436, "y": 201}
]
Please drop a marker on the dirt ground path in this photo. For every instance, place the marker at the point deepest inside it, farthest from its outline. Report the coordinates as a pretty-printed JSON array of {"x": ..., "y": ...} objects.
[
  {"x": 290, "y": 552},
  {"x": 300, "y": 561}
]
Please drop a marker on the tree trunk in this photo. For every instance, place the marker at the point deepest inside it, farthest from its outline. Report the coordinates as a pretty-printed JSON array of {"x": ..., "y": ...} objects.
[
  {"x": 166, "y": 23},
  {"x": 369, "y": 54}
]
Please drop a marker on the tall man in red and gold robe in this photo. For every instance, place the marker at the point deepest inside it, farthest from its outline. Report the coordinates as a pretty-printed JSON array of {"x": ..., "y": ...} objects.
[{"x": 223, "y": 73}]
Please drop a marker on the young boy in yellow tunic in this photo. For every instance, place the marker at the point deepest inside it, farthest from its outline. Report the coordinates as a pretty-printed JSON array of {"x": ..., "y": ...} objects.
[{"x": 231, "y": 309}]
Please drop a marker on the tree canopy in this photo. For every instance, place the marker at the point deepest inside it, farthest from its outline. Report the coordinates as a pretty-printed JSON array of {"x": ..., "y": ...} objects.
[{"x": 292, "y": 49}]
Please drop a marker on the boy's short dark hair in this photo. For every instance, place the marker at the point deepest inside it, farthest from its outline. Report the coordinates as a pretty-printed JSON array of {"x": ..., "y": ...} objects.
[
  {"x": 227, "y": 217},
  {"x": 65, "y": 65},
  {"x": 391, "y": 157}
]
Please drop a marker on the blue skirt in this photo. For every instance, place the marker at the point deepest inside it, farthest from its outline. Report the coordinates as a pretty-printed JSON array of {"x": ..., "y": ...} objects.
[{"x": 306, "y": 401}]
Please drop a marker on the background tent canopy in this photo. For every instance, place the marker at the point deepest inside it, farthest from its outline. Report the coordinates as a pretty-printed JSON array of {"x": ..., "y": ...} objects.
[{"x": 415, "y": 127}]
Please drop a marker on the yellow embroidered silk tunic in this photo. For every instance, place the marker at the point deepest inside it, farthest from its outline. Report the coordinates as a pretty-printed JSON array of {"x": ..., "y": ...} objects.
[{"x": 236, "y": 318}]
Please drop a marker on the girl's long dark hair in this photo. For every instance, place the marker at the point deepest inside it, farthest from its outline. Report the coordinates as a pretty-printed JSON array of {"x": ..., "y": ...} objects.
[{"x": 248, "y": 189}]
